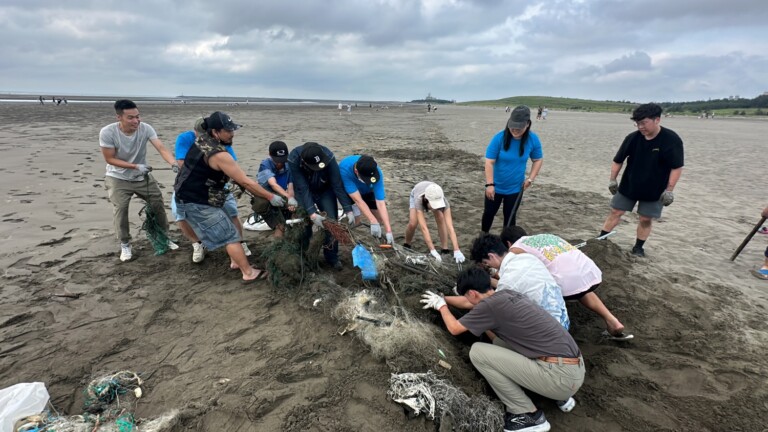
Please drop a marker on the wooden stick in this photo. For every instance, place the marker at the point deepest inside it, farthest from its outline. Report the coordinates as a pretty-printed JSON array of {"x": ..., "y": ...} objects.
[{"x": 747, "y": 239}]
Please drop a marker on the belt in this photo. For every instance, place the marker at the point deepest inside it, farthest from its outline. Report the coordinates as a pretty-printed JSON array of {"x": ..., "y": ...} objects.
[{"x": 563, "y": 360}]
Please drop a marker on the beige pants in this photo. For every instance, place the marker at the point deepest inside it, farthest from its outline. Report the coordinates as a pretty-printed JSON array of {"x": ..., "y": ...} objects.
[
  {"x": 509, "y": 372},
  {"x": 120, "y": 193}
]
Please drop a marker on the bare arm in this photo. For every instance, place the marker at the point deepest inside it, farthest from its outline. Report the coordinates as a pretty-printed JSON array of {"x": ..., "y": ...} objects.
[
  {"x": 615, "y": 170},
  {"x": 449, "y": 225},
  {"x": 223, "y": 161},
  {"x": 424, "y": 230},
  {"x": 454, "y": 326},
  {"x": 490, "y": 191},
  {"x": 460, "y": 302},
  {"x": 358, "y": 200},
  {"x": 674, "y": 176},
  {"x": 163, "y": 151},
  {"x": 109, "y": 157},
  {"x": 381, "y": 205},
  {"x": 276, "y": 187}
]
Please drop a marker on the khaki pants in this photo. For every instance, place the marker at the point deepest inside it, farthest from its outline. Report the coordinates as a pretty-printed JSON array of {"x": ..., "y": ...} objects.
[
  {"x": 273, "y": 216},
  {"x": 120, "y": 193},
  {"x": 509, "y": 372}
]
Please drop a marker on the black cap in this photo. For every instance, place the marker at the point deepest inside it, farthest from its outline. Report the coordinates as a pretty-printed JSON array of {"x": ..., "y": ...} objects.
[
  {"x": 519, "y": 118},
  {"x": 219, "y": 120},
  {"x": 367, "y": 169},
  {"x": 278, "y": 151},
  {"x": 313, "y": 156}
]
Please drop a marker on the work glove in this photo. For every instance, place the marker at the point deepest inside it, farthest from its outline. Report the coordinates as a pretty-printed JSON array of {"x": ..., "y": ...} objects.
[
  {"x": 432, "y": 300},
  {"x": 292, "y": 202},
  {"x": 376, "y": 230},
  {"x": 667, "y": 198},
  {"x": 143, "y": 169},
  {"x": 613, "y": 187},
  {"x": 436, "y": 255},
  {"x": 277, "y": 201},
  {"x": 351, "y": 218},
  {"x": 390, "y": 239},
  {"x": 318, "y": 220},
  {"x": 175, "y": 168},
  {"x": 458, "y": 256}
]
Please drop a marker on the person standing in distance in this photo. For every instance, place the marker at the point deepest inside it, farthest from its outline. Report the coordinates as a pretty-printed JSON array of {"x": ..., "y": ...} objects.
[
  {"x": 506, "y": 158},
  {"x": 124, "y": 147},
  {"x": 654, "y": 156}
]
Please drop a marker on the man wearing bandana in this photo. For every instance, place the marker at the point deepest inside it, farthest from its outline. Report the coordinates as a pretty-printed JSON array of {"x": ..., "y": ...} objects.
[
  {"x": 364, "y": 182},
  {"x": 317, "y": 185}
]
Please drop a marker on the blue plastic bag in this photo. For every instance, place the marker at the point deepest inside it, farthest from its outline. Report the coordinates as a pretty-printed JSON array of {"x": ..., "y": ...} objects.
[{"x": 362, "y": 259}]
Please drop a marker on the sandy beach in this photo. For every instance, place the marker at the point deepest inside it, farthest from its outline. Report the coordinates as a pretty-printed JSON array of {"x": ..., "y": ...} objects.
[{"x": 263, "y": 358}]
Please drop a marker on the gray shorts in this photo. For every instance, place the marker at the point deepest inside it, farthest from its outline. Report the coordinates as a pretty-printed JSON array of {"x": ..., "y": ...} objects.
[
  {"x": 213, "y": 226},
  {"x": 650, "y": 209}
]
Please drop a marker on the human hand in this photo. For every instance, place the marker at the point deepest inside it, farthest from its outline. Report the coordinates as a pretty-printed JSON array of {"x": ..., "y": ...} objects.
[
  {"x": 317, "y": 219},
  {"x": 458, "y": 256},
  {"x": 390, "y": 238},
  {"x": 175, "y": 168},
  {"x": 764, "y": 213},
  {"x": 432, "y": 300},
  {"x": 667, "y": 198},
  {"x": 527, "y": 183},
  {"x": 376, "y": 230},
  {"x": 351, "y": 219},
  {"x": 292, "y": 202},
  {"x": 436, "y": 255},
  {"x": 277, "y": 201},
  {"x": 490, "y": 192},
  {"x": 143, "y": 169},
  {"x": 613, "y": 187}
]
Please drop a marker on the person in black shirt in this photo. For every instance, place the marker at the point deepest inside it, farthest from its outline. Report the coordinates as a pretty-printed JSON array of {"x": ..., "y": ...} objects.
[{"x": 654, "y": 156}]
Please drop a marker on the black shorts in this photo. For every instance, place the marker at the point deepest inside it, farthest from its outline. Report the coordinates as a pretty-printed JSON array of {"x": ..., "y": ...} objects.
[
  {"x": 578, "y": 296},
  {"x": 370, "y": 201}
]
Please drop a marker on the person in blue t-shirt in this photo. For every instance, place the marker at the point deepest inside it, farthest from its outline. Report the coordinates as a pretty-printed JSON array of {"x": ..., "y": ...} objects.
[
  {"x": 184, "y": 141},
  {"x": 274, "y": 176},
  {"x": 364, "y": 182},
  {"x": 506, "y": 158}
]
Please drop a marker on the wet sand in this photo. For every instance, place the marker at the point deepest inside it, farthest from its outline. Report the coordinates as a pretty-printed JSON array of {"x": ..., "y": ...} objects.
[{"x": 256, "y": 357}]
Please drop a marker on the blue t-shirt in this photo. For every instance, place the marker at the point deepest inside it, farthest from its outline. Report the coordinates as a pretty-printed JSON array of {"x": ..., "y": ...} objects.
[
  {"x": 352, "y": 184},
  {"x": 185, "y": 140},
  {"x": 509, "y": 169},
  {"x": 268, "y": 170}
]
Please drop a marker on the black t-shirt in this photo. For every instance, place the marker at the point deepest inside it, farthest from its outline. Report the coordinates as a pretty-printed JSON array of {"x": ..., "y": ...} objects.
[{"x": 649, "y": 163}]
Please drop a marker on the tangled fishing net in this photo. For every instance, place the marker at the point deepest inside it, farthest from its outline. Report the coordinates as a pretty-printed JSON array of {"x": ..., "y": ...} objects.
[
  {"x": 155, "y": 232},
  {"x": 440, "y": 400},
  {"x": 110, "y": 401}
]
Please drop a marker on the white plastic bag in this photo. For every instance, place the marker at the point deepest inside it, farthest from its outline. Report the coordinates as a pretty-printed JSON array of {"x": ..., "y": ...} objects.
[{"x": 19, "y": 401}]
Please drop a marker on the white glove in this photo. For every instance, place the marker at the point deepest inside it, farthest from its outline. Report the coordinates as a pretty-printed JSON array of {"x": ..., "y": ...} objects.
[
  {"x": 667, "y": 198},
  {"x": 390, "y": 239},
  {"x": 143, "y": 169},
  {"x": 458, "y": 256},
  {"x": 351, "y": 218},
  {"x": 376, "y": 230},
  {"x": 436, "y": 255},
  {"x": 277, "y": 201},
  {"x": 292, "y": 202},
  {"x": 432, "y": 300},
  {"x": 318, "y": 220},
  {"x": 613, "y": 187},
  {"x": 175, "y": 168}
]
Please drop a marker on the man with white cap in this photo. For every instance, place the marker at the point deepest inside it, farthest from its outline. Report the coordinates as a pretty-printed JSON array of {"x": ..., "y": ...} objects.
[
  {"x": 429, "y": 196},
  {"x": 364, "y": 182}
]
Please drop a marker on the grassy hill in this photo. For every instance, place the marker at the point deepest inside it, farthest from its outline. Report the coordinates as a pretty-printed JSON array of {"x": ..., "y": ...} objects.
[{"x": 558, "y": 103}]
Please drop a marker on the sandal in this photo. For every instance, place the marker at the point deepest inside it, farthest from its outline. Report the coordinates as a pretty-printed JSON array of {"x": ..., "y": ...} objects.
[{"x": 260, "y": 275}]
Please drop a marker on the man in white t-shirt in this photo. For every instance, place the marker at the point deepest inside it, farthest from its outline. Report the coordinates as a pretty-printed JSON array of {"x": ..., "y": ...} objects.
[{"x": 124, "y": 147}]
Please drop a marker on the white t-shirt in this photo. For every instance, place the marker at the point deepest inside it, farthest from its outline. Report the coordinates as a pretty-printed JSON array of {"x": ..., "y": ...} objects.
[
  {"x": 527, "y": 275},
  {"x": 132, "y": 149}
]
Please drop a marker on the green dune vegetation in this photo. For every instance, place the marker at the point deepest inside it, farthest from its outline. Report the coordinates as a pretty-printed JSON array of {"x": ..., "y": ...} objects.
[{"x": 730, "y": 106}]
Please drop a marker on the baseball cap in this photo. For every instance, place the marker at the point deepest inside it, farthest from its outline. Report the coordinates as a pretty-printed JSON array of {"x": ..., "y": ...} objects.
[
  {"x": 367, "y": 169},
  {"x": 434, "y": 194},
  {"x": 278, "y": 151},
  {"x": 313, "y": 156},
  {"x": 519, "y": 118},
  {"x": 220, "y": 120}
]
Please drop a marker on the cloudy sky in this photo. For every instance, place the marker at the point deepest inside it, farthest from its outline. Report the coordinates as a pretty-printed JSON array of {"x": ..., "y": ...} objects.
[{"x": 660, "y": 50}]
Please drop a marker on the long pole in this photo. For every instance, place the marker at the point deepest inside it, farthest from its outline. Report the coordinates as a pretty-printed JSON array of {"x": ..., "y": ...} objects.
[{"x": 747, "y": 239}]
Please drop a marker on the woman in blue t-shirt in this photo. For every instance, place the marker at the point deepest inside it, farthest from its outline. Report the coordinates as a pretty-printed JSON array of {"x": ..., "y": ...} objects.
[{"x": 505, "y": 161}]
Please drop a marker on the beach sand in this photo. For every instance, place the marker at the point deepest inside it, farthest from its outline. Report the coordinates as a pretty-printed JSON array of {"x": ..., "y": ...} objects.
[{"x": 253, "y": 357}]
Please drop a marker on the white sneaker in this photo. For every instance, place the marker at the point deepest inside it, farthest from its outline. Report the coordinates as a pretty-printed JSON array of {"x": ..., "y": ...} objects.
[
  {"x": 566, "y": 406},
  {"x": 198, "y": 252},
  {"x": 125, "y": 252},
  {"x": 245, "y": 249},
  {"x": 172, "y": 245}
]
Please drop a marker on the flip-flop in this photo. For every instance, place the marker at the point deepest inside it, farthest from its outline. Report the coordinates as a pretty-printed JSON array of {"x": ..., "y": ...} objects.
[
  {"x": 763, "y": 230},
  {"x": 263, "y": 274},
  {"x": 760, "y": 274},
  {"x": 618, "y": 337}
]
